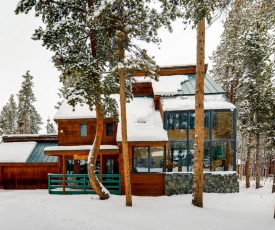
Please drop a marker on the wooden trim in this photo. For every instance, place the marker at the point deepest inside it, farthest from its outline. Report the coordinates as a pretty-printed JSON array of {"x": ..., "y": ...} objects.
[
  {"x": 174, "y": 70},
  {"x": 79, "y": 153},
  {"x": 145, "y": 143}
]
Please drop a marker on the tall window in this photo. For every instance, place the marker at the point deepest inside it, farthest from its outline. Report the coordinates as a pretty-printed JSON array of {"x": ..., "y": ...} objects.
[
  {"x": 83, "y": 130},
  {"x": 219, "y": 139},
  {"x": 148, "y": 159},
  {"x": 109, "y": 129}
]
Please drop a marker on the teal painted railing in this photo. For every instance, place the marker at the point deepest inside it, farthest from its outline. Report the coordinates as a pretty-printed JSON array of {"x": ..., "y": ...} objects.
[{"x": 80, "y": 184}]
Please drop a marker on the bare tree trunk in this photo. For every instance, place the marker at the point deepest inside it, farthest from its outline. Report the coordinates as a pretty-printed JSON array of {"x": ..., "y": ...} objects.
[
  {"x": 199, "y": 118},
  {"x": 247, "y": 163},
  {"x": 257, "y": 169},
  {"x": 126, "y": 167},
  {"x": 273, "y": 187},
  {"x": 96, "y": 185}
]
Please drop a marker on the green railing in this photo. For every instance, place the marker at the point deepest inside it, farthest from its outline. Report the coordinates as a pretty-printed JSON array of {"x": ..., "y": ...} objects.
[{"x": 80, "y": 184}]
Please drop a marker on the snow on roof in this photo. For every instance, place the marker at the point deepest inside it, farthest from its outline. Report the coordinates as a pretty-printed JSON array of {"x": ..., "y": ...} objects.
[
  {"x": 166, "y": 85},
  {"x": 16, "y": 152},
  {"x": 188, "y": 103},
  {"x": 80, "y": 111},
  {"x": 144, "y": 123},
  {"x": 78, "y": 147}
]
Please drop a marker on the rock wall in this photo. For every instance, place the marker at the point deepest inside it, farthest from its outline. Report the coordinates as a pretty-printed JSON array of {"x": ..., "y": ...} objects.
[{"x": 214, "y": 182}]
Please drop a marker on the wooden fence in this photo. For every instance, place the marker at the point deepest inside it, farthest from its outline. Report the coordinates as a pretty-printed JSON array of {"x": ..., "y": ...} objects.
[{"x": 80, "y": 184}]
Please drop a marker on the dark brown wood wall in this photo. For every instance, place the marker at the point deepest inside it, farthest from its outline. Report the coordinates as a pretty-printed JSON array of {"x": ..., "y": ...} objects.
[
  {"x": 26, "y": 175},
  {"x": 142, "y": 184},
  {"x": 69, "y": 132},
  {"x": 147, "y": 184}
]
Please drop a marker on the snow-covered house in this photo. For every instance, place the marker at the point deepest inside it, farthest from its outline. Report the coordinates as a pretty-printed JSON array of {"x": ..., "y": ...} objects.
[
  {"x": 160, "y": 123},
  {"x": 23, "y": 164}
]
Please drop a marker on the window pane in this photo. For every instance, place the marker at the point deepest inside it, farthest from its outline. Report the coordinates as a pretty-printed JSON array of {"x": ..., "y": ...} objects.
[
  {"x": 179, "y": 156},
  {"x": 83, "y": 130},
  {"x": 206, "y": 159},
  {"x": 206, "y": 124},
  {"x": 192, "y": 125},
  {"x": 109, "y": 129},
  {"x": 222, "y": 156},
  {"x": 190, "y": 157},
  {"x": 156, "y": 159},
  {"x": 222, "y": 125},
  {"x": 177, "y": 126},
  {"x": 140, "y": 159}
]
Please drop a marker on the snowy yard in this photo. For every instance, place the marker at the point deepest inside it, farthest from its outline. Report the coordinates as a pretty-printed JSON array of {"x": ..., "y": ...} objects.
[{"x": 249, "y": 209}]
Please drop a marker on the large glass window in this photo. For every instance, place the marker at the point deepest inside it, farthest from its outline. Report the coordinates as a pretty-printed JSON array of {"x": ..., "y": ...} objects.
[
  {"x": 148, "y": 159},
  {"x": 219, "y": 145}
]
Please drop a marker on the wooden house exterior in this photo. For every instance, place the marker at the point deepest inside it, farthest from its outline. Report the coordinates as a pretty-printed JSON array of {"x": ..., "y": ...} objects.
[
  {"x": 31, "y": 172},
  {"x": 160, "y": 132}
]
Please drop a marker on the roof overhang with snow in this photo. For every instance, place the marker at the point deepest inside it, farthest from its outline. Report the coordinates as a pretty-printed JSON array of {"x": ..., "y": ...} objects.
[{"x": 79, "y": 152}]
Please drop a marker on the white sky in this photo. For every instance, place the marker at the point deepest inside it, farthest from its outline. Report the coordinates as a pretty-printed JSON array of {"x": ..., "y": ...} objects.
[
  {"x": 19, "y": 53},
  {"x": 35, "y": 209}
]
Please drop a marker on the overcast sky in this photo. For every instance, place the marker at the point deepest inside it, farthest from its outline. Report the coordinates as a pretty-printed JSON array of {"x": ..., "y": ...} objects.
[{"x": 19, "y": 53}]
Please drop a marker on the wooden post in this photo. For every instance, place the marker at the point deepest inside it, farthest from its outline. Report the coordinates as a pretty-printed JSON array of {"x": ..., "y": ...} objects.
[
  {"x": 64, "y": 174},
  {"x": 1, "y": 177},
  {"x": 101, "y": 168}
]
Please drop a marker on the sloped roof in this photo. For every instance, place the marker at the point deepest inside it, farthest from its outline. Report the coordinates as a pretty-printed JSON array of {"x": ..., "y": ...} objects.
[
  {"x": 16, "y": 152},
  {"x": 173, "y": 85},
  {"x": 80, "y": 111},
  {"x": 26, "y": 152},
  {"x": 37, "y": 155},
  {"x": 144, "y": 123},
  {"x": 179, "y": 103},
  {"x": 210, "y": 86}
]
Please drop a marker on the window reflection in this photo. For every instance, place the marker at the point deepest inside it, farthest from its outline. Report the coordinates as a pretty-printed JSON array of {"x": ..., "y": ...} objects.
[
  {"x": 218, "y": 134},
  {"x": 148, "y": 159}
]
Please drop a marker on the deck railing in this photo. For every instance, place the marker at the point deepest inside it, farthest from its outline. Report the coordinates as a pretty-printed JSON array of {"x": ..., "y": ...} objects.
[{"x": 80, "y": 184}]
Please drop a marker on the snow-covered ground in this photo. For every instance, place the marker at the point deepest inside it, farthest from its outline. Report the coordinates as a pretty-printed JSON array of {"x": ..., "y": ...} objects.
[{"x": 250, "y": 209}]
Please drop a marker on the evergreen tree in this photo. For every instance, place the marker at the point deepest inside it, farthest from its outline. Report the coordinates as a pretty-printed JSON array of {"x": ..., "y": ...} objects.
[
  {"x": 196, "y": 12},
  {"x": 243, "y": 65},
  {"x": 50, "y": 129},
  {"x": 8, "y": 117},
  {"x": 85, "y": 38},
  {"x": 29, "y": 120}
]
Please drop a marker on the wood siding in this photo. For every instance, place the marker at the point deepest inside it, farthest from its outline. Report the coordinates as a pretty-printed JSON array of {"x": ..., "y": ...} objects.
[
  {"x": 69, "y": 132},
  {"x": 142, "y": 89},
  {"x": 147, "y": 184},
  {"x": 26, "y": 175}
]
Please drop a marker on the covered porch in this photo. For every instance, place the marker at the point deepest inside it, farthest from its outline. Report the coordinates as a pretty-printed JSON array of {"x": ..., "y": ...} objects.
[{"x": 72, "y": 165}]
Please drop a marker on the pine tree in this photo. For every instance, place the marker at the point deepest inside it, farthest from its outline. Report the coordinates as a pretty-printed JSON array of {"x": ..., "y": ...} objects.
[
  {"x": 243, "y": 66},
  {"x": 8, "y": 117},
  {"x": 84, "y": 38},
  {"x": 29, "y": 120},
  {"x": 50, "y": 129},
  {"x": 196, "y": 12}
]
